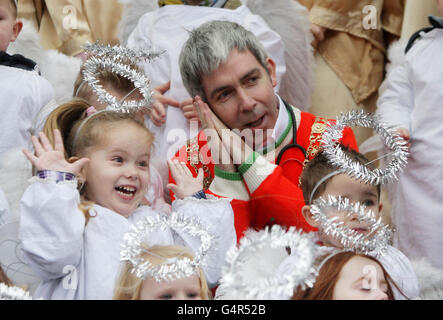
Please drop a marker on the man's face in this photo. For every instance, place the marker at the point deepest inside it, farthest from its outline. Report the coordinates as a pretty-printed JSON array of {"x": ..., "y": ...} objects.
[
  {"x": 9, "y": 27},
  {"x": 241, "y": 93}
]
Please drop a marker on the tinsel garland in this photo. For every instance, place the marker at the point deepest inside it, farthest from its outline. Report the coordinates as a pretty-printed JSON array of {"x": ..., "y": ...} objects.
[
  {"x": 13, "y": 293},
  {"x": 118, "y": 60},
  {"x": 338, "y": 158},
  {"x": 296, "y": 271},
  {"x": 134, "y": 247},
  {"x": 375, "y": 241}
]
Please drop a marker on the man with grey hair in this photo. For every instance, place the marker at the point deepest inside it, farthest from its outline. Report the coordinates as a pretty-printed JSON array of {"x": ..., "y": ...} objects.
[{"x": 267, "y": 141}]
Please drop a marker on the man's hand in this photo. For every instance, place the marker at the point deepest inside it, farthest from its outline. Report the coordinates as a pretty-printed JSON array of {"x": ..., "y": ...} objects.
[
  {"x": 234, "y": 151},
  {"x": 185, "y": 184},
  {"x": 158, "y": 111},
  {"x": 49, "y": 158}
]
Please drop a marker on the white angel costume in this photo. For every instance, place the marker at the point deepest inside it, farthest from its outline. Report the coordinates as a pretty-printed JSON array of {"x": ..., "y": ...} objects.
[
  {"x": 400, "y": 269},
  {"x": 411, "y": 99},
  {"x": 4, "y": 208},
  {"x": 81, "y": 261},
  {"x": 24, "y": 93}
]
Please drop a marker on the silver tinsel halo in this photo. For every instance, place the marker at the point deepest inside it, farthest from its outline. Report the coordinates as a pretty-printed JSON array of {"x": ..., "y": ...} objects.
[
  {"x": 13, "y": 293},
  {"x": 117, "y": 59},
  {"x": 338, "y": 158},
  {"x": 134, "y": 247},
  {"x": 297, "y": 269},
  {"x": 375, "y": 241}
]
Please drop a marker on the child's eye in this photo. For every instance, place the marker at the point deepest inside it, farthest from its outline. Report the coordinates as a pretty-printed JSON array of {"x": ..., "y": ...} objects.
[
  {"x": 117, "y": 159},
  {"x": 143, "y": 163},
  {"x": 166, "y": 296},
  {"x": 368, "y": 203},
  {"x": 193, "y": 295}
]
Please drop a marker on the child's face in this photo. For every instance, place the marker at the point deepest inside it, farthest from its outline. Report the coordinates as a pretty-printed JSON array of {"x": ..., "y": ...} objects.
[
  {"x": 9, "y": 27},
  {"x": 356, "y": 191},
  {"x": 361, "y": 279},
  {"x": 182, "y": 289},
  {"x": 117, "y": 175}
]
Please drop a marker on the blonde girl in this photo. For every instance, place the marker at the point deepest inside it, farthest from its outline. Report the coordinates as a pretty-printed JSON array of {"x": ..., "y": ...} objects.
[
  {"x": 92, "y": 177},
  {"x": 130, "y": 287}
]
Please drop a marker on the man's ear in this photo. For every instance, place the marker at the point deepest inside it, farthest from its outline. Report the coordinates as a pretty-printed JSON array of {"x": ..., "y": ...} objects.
[
  {"x": 271, "y": 66},
  {"x": 306, "y": 211},
  {"x": 16, "y": 29}
]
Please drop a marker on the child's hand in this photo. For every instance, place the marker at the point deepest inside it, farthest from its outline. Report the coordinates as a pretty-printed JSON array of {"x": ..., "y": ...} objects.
[
  {"x": 158, "y": 111},
  {"x": 49, "y": 158},
  {"x": 189, "y": 111},
  {"x": 319, "y": 34},
  {"x": 185, "y": 184}
]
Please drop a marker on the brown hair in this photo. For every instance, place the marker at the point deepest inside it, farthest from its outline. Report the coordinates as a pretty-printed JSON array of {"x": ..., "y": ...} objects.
[
  {"x": 329, "y": 274},
  {"x": 319, "y": 167},
  {"x": 4, "y": 278},
  {"x": 78, "y": 135},
  {"x": 129, "y": 286},
  {"x": 116, "y": 81}
]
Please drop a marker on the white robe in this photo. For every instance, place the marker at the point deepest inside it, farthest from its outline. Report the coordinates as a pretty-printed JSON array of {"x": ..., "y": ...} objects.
[
  {"x": 4, "y": 208},
  {"x": 23, "y": 95},
  {"x": 167, "y": 29},
  {"x": 412, "y": 99},
  {"x": 82, "y": 262},
  {"x": 400, "y": 269}
]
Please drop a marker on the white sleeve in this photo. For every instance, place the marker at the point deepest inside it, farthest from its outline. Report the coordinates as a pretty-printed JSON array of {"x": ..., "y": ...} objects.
[
  {"x": 43, "y": 101},
  {"x": 4, "y": 208},
  {"x": 218, "y": 217},
  {"x": 51, "y": 227},
  {"x": 396, "y": 103},
  {"x": 139, "y": 37},
  {"x": 401, "y": 271}
]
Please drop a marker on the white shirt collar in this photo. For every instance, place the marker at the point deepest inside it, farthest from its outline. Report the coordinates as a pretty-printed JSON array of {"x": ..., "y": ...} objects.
[{"x": 282, "y": 120}]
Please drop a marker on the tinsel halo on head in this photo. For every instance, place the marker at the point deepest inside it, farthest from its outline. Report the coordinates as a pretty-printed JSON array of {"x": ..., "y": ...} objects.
[
  {"x": 134, "y": 247},
  {"x": 118, "y": 59},
  {"x": 393, "y": 142},
  {"x": 13, "y": 293},
  {"x": 378, "y": 235},
  {"x": 294, "y": 271}
]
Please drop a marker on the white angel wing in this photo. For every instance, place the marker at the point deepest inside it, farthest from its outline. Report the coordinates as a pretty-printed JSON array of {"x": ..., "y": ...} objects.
[
  {"x": 15, "y": 172},
  {"x": 11, "y": 259},
  {"x": 59, "y": 69},
  {"x": 430, "y": 279},
  {"x": 290, "y": 20},
  {"x": 396, "y": 56},
  {"x": 132, "y": 12}
]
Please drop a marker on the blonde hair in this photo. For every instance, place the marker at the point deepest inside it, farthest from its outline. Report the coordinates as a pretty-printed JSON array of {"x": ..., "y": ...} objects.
[
  {"x": 129, "y": 286},
  {"x": 79, "y": 134}
]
